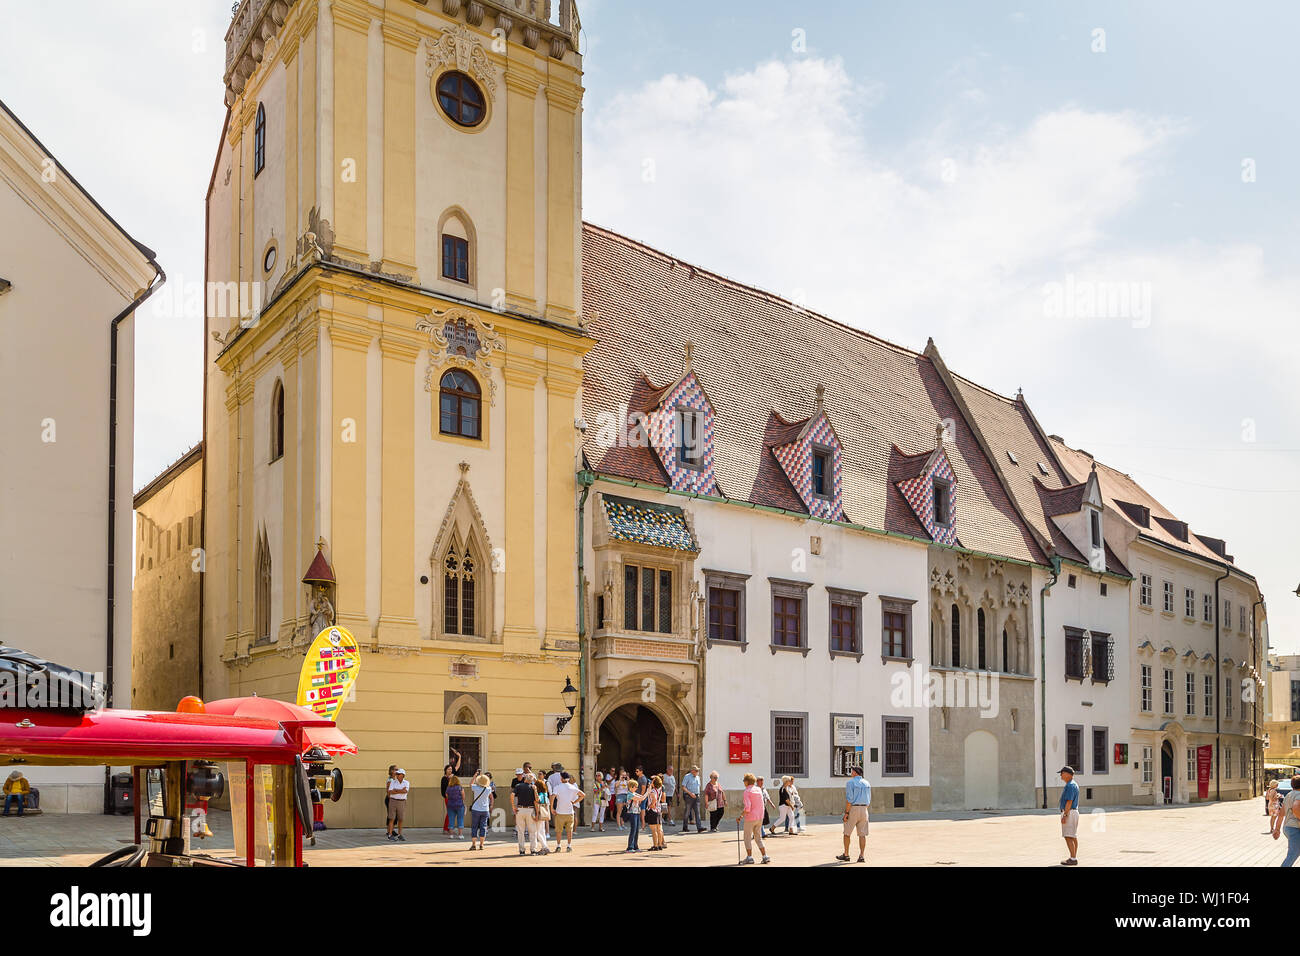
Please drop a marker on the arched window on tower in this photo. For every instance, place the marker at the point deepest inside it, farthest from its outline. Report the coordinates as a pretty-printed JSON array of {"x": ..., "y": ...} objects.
[
  {"x": 459, "y": 596},
  {"x": 460, "y": 404},
  {"x": 277, "y": 421},
  {"x": 1006, "y": 656},
  {"x": 259, "y": 141},
  {"x": 262, "y": 603},
  {"x": 956, "y": 637},
  {"x": 979, "y": 624}
]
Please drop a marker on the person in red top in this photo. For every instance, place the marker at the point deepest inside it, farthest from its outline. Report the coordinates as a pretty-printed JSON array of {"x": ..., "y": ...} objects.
[{"x": 752, "y": 817}]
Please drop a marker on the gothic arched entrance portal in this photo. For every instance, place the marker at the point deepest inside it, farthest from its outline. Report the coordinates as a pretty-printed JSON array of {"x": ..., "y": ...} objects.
[{"x": 632, "y": 736}]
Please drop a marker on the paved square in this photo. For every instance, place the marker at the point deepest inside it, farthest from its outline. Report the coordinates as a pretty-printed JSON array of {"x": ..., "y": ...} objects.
[{"x": 1227, "y": 834}]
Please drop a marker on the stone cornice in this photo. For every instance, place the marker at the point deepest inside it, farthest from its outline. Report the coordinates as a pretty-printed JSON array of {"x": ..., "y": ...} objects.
[
  {"x": 402, "y": 34},
  {"x": 352, "y": 16},
  {"x": 564, "y": 97},
  {"x": 527, "y": 21},
  {"x": 254, "y": 24},
  {"x": 352, "y": 337},
  {"x": 523, "y": 79}
]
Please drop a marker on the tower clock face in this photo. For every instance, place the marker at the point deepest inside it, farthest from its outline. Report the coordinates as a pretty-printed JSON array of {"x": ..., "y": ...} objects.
[{"x": 461, "y": 99}]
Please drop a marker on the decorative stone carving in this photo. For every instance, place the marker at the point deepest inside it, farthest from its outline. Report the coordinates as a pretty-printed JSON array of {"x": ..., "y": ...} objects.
[
  {"x": 459, "y": 338},
  {"x": 458, "y": 48}
]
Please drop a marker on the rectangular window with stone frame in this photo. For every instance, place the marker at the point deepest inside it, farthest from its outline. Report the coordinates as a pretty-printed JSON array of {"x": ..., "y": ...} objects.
[
  {"x": 896, "y": 629},
  {"x": 896, "y": 733},
  {"x": 845, "y": 622},
  {"x": 1074, "y": 747},
  {"x": 789, "y": 744},
  {"x": 1101, "y": 750},
  {"x": 1074, "y": 654},
  {"x": 725, "y": 593},
  {"x": 1103, "y": 657},
  {"x": 789, "y": 615}
]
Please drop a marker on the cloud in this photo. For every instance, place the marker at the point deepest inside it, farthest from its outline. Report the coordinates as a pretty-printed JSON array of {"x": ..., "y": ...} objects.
[{"x": 773, "y": 178}]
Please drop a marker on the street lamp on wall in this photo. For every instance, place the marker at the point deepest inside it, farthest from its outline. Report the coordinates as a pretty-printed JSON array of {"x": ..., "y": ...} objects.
[{"x": 570, "y": 697}]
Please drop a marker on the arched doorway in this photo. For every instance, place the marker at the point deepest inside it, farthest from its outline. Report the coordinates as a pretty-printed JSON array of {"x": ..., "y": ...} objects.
[
  {"x": 631, "y": 736},
  {"x": 981, "y": 771},
  {"x": 1167, "y": 771}
]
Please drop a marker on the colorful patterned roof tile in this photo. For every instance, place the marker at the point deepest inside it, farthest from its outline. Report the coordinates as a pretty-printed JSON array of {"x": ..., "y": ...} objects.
[{"x": 643, "y": 522}]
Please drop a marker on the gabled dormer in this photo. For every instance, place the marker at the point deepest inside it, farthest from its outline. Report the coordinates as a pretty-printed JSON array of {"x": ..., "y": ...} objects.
[
  {"x": 928, "y": 484},
  {"x": 1078, "y": 511},
  {"x": 810, "y": 454},
  {"x": 679, "y": 426}
]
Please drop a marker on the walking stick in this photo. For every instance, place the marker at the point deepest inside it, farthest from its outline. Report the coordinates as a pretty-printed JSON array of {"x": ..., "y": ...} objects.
[{"x": 737, "y": 841}]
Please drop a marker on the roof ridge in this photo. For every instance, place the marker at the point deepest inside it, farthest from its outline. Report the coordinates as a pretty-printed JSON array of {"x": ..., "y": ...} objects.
[{"x": 751, "y": 289}]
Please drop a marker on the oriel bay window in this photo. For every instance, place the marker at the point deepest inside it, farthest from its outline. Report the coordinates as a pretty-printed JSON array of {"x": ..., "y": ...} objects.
[{"x": 647, "y": 599}]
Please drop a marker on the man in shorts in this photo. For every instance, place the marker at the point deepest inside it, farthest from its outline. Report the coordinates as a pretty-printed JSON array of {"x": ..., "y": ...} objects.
[
  {"x": 564, "y": 801},
  {"x": 1069, "y": 806},
  {"x": 398, "y": 790},
  {"x": 857, "y": 804}
]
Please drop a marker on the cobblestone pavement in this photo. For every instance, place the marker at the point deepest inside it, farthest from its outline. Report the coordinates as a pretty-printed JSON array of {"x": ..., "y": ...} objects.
[{"x": 1228, "y": 834}]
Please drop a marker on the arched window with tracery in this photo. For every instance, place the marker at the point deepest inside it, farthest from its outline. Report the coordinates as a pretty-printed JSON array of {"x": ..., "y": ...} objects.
[
  {"x": 460, "y": 405},
  {"x": 459, "y": 593},
  {"x": 262, "y": 602},
  {"x": 979, "y": 625},
  {"x": 956, "y": 637}
]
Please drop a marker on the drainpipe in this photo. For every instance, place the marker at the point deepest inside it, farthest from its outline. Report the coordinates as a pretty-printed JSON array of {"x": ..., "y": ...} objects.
[
  {"x": 1218, "y": 690},
  {"x": 1042, "y": 668},
  {"x": 585, "y": 479},
  {"x": 111, "y": 605}
]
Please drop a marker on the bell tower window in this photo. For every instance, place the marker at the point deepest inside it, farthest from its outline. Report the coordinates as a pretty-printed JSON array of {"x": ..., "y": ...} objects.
[
  {"x": 455, "y": 258},
  {"x": 461, "y": 99},
  {"x": 259, "y": 141},
  {"x": 460, "y": 405}
]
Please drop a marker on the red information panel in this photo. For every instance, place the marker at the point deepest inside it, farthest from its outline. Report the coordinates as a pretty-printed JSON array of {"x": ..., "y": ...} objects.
[
  {"x": 1204, "y": 765},
  {"x": 740, "y": 748}
]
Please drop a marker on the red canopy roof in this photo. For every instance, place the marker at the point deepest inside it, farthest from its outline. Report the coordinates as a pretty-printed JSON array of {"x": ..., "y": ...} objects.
[
  {"x": 128, "y": 737},
  {"x": 317, "y": 731}
]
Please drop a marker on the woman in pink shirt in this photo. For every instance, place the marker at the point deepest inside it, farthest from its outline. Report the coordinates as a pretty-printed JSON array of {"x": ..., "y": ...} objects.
[{"x": 752, "y": 816}]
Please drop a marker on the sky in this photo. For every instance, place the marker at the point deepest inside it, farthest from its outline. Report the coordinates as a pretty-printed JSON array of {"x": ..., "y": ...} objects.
[{"x": 1094, "y": 203}]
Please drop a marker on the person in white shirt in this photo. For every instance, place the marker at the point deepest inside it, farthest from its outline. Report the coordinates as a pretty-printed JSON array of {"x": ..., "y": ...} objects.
[
  {"x": 565, "y": 798},
  {"x": 554, "y": 779},
  {"x": 399, "y": 788}
]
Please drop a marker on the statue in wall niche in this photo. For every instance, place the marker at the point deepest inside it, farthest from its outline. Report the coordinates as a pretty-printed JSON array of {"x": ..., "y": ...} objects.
[{"x": 320, "y": 611}]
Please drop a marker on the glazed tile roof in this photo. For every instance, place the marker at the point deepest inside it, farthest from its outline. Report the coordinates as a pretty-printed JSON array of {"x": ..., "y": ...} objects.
[
  {"x": 645, "y": 522},
  {"x": 757, "y": 355},
  {"x": 1118, "y": 487}
]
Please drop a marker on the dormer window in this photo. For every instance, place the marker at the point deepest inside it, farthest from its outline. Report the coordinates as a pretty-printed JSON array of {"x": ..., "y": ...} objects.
[
  {"x": 942, "y": 507},
  {"x": 1094, "y": 521},
  {"x": 690, "y": 438},
  {"x": 821, "y": 472}
]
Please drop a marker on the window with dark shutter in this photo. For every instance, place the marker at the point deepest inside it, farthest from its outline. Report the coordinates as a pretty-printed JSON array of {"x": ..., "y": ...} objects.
[
  {"x": 455, "y": 258},
  {"x": 1074, "y": 639},
  {"x": 1103, "y": 667}
]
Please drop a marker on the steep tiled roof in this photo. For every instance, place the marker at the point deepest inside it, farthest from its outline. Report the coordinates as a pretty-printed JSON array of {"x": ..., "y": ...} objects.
[
  {"x": 1118, "y": 487},
  {"x": 647, "y": 523},
  {"x": 757, "y": 354}
]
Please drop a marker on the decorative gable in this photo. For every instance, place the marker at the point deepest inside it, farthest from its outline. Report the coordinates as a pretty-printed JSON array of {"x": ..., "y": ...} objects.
[
  {"x": 809, "y": 438},
  {"x": 934, "y": 472},
  {"x": 663, "y": 426}
]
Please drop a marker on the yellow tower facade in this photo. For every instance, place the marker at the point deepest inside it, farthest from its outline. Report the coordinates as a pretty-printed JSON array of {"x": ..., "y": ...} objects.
[{"x": 393, "y": 366}]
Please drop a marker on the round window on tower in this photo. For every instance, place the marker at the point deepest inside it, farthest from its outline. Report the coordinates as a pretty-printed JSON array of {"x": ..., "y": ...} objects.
[{"x": 461, "y": 99}]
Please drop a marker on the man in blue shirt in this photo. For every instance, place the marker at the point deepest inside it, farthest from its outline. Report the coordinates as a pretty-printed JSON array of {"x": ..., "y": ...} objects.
[
  {"x": 1069, "y": 807},
  {"x": 691, "y": 801},
  {"x": 857, "y": 801}
]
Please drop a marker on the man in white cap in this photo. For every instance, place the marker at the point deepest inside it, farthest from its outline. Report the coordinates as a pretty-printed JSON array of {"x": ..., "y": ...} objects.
[{"x": 398, "y": 790}]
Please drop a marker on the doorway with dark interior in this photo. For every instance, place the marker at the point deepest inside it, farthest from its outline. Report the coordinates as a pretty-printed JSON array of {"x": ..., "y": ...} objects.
[{"x": 632, "y": 736}]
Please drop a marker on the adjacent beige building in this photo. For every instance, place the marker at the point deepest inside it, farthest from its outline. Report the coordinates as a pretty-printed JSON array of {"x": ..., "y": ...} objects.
[
  {"x": 165, "y": 635},
  {"x": 71, "y": 280}
]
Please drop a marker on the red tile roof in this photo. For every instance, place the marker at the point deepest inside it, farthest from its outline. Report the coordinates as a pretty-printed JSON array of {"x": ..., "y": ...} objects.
[
  {"x": 761, "y": 358},
  {"x": 1119, "y": 489}
]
